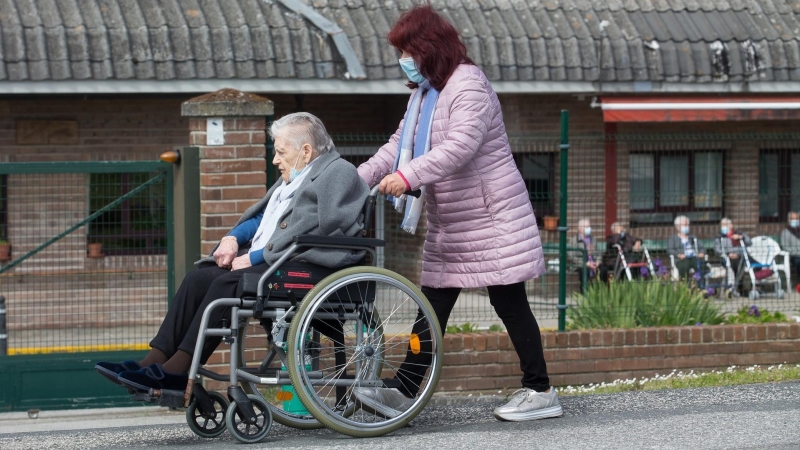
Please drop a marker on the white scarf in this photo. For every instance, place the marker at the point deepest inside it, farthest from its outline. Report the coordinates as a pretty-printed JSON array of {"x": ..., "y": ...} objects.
[{"x": 276, "y": 206}]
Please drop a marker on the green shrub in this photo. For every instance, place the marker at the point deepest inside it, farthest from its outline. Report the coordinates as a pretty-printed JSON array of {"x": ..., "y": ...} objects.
[
  {"x": 464, "y": 328},
  {"x": 641, "y": 304},
  {"x": 495, "y": 327},
  {"x": 753, "y": 314}
]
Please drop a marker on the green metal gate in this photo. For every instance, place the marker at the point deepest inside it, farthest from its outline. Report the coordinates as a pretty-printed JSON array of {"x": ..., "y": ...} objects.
[{"x": 88, "y": 278}]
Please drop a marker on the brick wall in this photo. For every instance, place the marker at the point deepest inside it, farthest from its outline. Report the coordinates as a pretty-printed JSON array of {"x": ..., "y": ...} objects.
[
  {"x": 109, "y": 128},
  {"x": 232, "y": 176},
  {"x": 487, "y": 361}
]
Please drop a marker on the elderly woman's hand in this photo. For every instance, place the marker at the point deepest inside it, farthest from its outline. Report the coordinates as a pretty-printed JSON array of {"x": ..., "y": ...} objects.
[
  {"x": 226, "y": 252},
  {"x": 393, "y": 185},
  {"x": 242, "y": 262}
]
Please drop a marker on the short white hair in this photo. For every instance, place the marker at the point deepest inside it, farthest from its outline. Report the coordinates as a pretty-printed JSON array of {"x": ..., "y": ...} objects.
[
  {"x": 680, "y": 219},
  {"x": 307, "y": 129},
  {"x": 583, "y": 223},
  {"x": 726, "y": 220}
]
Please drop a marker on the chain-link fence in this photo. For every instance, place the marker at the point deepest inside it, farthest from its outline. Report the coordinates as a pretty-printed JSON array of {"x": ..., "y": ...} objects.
[
  {"x": 89, "y": 254},
  {"x": 638, "y": 192}
]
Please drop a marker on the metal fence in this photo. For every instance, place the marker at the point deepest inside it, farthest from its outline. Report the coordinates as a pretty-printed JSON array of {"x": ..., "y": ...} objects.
[
  {"x": 89, "y": 254},
  {"x": 643, "y": 182}
]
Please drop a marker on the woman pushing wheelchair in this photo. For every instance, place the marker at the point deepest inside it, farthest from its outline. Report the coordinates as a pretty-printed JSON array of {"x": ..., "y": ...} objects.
[
  {"x": 481, "y": 229},
  {"x": 318, "y": 193}
]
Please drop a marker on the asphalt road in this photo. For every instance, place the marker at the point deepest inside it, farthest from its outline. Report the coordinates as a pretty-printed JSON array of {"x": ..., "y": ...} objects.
[{"x": 755, "y": 416}]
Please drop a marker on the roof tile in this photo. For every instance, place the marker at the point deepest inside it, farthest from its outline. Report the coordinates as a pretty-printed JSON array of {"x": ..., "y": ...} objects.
[
  {"x": 69, "y": 12},
  {"x": 509, "y": 39},
  {"x": 792, "y": 50},
  {"x": 641, "y": 26}
]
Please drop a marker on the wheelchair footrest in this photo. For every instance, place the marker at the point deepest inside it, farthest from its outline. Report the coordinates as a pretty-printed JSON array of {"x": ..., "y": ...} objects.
[{"x": 163, "y": 397}]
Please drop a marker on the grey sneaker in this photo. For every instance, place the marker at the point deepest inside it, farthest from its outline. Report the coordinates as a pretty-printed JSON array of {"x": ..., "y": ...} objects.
[
  {"x": 387, "y": 402},
  {"x": 527, "y": 404}
]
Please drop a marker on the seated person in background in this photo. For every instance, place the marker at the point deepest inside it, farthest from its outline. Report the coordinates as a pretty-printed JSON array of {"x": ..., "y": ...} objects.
[
  {"x": 630, "y": 244},
  {"x": 790, "y": 240},
  {"x": 729, "y": 242},
  {"x": 688, "y": 252},
  {"x": 319, "y": 193},
  {"x": 584, "y": 240}
]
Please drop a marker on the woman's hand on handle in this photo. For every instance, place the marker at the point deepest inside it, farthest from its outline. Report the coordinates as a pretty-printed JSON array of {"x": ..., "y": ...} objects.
[{"x": 393, "y": 185}]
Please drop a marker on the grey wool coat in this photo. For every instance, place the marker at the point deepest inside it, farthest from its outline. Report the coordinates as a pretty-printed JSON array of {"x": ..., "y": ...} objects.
[{"x": 329, "y": 202}]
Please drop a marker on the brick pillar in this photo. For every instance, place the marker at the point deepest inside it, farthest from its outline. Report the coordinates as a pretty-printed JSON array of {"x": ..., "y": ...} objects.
[{"x": 233, "y": 171}]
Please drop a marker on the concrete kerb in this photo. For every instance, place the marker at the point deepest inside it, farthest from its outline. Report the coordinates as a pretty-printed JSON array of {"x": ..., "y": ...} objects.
[{"x": 79, "y": 419}]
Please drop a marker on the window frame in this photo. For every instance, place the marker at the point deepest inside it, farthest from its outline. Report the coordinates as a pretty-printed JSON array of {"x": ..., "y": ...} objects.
[
  {"x": 551, "y": 179},
  {"x": 784, "y": 182},
  {"x": 690, "y": 206}
]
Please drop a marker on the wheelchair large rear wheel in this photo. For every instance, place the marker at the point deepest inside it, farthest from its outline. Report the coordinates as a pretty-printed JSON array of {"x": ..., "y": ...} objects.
[{"x": 385, "y": 319}]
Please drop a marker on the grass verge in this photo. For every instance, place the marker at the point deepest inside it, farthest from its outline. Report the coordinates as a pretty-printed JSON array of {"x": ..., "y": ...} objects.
[{"x": 680, "y": 380}]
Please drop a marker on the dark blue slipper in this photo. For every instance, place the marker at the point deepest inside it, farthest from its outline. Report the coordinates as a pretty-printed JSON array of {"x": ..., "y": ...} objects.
[
  {"x": 153, "y": 377},
  {"x": 112, "y": 370}
]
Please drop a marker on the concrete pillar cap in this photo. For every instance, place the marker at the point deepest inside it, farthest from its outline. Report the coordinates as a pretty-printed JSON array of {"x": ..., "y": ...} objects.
[{"x": 228, "y": 103}]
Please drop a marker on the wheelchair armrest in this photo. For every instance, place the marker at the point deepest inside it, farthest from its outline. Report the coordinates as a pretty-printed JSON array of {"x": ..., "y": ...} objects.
[{"x": 309, "y": 239}]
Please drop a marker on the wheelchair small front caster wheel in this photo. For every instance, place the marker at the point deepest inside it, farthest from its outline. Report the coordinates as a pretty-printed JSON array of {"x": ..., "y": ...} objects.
[
  {"x": 754, "y": 294},
  {"x": 249, "y": 433},
  {"x": 208, "y": 424}
]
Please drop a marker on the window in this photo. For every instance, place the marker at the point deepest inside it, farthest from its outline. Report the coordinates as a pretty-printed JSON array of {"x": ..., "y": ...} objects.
[
  {"x": 663, "y": 186},
  {"x": 778, "y": 184},
  {"x": 537, "y": 172},
  {"x": 136, "y": 226}
]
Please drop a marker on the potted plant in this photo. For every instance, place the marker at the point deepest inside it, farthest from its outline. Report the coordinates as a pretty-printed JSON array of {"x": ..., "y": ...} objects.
[
  {"x": 95, "y": 250},
  {"x": 5, "y": 250},
  {"x": 550, "y": 223}
]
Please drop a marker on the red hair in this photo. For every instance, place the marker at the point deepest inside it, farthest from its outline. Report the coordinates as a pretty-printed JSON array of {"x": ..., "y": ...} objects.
[{"x": 432, "y": 41}]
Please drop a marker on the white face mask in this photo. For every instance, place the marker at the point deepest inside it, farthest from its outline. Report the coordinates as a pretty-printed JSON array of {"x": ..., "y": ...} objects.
[
  {"x": 409, "y": 66},
  {"x": 587, "y": 231},
  {"x": 294, "y": 173}
]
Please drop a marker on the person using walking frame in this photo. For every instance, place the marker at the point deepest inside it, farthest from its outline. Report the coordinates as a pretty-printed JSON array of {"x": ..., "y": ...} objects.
[
  {"x": 631, "y": 248},
  {"x": 481, "y": 229},
  {"x": 729, "y": 243},
  {"x": 688, "y": 254}
]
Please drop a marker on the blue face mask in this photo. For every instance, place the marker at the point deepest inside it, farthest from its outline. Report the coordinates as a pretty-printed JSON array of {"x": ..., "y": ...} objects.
[
  {"x": 685, "y": 230},
  {"x": 410, "y": 68},
  {"x": 622, "y": 234},
  {"x": 794, "y": 223},
  {"x": 587, "y": 231},
  {"x": 724, "y": 230},
  {"x": 294, "y": 173}
]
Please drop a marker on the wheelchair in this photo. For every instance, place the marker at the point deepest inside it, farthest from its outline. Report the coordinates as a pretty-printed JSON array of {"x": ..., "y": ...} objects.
[{"x": 329, "y": 332}]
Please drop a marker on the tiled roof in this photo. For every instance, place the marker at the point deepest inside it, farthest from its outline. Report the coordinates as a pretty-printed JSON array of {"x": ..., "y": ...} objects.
[{"x": 696, "y": 41}]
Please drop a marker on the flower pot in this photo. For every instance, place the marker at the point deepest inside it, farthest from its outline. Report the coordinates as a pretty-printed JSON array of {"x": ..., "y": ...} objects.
[
  {"x": 96, "y": 250},
  {"x": 550, "y": 223},
  {"x": 5, "y": 252}
]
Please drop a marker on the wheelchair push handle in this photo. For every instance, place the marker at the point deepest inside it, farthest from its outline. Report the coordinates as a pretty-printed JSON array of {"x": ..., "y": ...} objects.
[{"x": 415, "y": 193}]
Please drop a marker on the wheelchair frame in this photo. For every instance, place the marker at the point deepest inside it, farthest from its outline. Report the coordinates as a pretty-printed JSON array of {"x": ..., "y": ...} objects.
[{"x": 244, "y": 402}]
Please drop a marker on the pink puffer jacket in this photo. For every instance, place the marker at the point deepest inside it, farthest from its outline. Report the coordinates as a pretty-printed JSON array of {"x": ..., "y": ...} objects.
[{"x": 481, "y": 228}]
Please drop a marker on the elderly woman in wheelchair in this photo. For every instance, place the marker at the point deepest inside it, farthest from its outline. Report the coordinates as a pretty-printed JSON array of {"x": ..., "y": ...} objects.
[{"x": 290, "y": 264}]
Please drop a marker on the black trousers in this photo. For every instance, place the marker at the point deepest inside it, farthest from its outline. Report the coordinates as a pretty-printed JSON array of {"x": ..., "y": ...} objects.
[
  {"x": 199, "y": 288},
  {"x": 511, "y": 304}
]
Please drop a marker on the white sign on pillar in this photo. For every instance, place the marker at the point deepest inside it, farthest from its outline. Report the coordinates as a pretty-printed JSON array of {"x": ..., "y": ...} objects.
[{"x": 214, "y": 131}]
